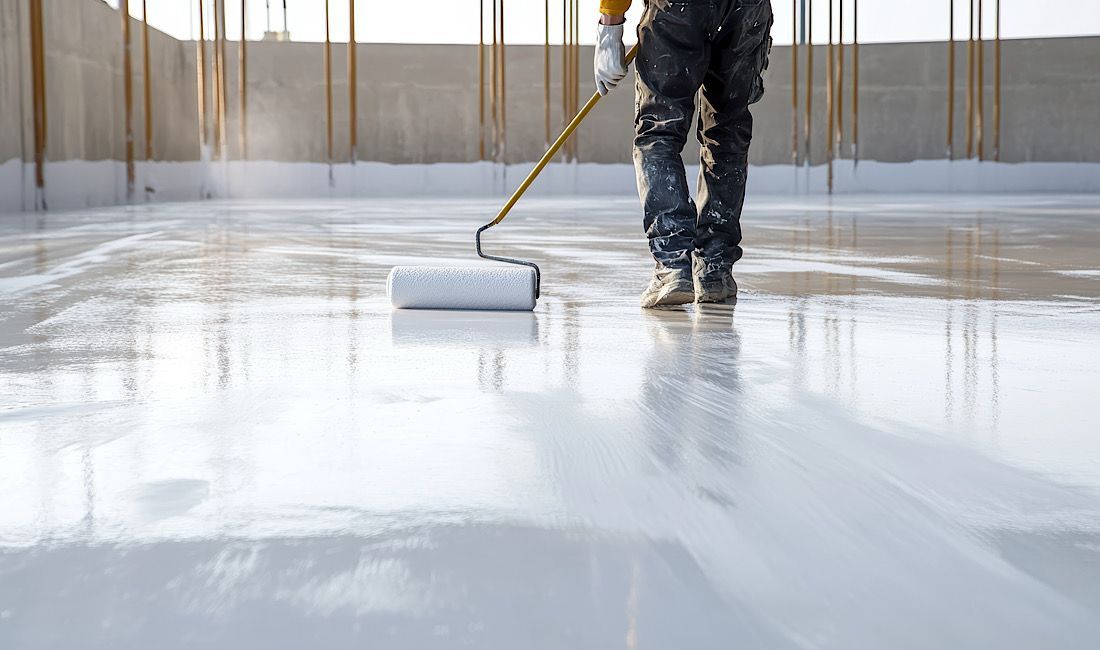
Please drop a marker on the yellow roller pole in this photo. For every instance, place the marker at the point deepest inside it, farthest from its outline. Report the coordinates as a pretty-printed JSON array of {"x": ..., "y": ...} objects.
[{"x": 553, "y": 150}]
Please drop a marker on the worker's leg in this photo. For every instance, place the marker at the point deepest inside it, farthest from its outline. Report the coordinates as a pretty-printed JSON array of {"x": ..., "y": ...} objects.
[
  {"x": 732, "y": 82},
  {"x": 672, "y": 58}
]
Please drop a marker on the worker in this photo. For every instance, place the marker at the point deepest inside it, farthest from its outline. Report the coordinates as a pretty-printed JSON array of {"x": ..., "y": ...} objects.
[{"x": 722, "y": 47}]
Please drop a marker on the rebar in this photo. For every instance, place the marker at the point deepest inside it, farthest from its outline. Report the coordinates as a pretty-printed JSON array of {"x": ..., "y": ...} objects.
[
  {"x": 127, "y": 97},
  {"x": 353, "y": 78}
]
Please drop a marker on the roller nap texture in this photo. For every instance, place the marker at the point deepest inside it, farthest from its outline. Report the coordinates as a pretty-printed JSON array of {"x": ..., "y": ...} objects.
[{"x": 501, "y": 288}]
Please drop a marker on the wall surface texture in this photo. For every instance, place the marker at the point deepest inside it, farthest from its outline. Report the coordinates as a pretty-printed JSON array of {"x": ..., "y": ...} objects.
[{"x": 419, "y": 103}]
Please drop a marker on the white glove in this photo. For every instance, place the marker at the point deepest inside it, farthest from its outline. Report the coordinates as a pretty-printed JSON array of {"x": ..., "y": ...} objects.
[{"x": 610, "y": 61}]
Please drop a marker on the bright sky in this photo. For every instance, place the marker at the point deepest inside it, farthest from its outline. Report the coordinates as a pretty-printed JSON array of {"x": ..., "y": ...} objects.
[{"x": 455, "y": 21}]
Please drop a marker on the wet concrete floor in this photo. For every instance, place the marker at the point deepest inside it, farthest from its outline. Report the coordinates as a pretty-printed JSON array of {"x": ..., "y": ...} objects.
[{"x": 215, "y": 433}]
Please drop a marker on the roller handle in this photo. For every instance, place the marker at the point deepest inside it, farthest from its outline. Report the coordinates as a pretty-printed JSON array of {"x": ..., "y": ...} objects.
[{"x": 553, "y": 150}]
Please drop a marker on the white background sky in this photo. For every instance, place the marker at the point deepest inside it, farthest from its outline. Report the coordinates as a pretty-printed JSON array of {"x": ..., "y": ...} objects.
[{"x": 455, "y": 21}]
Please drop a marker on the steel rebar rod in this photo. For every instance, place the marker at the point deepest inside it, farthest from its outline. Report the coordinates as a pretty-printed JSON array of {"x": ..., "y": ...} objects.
[
  {"x": 855, "y": 80},
  {"x": 950, "y": 80},
  {"x": 839, "y": 91},
  {"x": 481, "y": 80},
  {"x": 794, "y": 82},
  {"x": 353, "y": 94},
  {"x": 808, "y": 126},
  {"x": 830, "y": 105},
  {"x": 970, "y": 86},
  {"x": 493, "y": 83},
  {"x": 223, "y": 131},
  {"x": 327, "y": 59},
  {"x": 979, "y": 125},
  {"x": 242, "y": 87},
  {"x": 997, "y": 83},
  {"x": 546, "y": 71},
  {"x": 38, "y": 98},
  {"x": 565, "y": 69},
  {"x": 503, "y": 92},
  {"x": 127, "y": 97},
  {"x": 146, "y": 81},
  {"x": 200, "y": 74}
]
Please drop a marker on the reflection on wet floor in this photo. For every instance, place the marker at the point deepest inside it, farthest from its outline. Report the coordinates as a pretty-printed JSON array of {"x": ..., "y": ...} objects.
[{"x": 214, "y": 431}]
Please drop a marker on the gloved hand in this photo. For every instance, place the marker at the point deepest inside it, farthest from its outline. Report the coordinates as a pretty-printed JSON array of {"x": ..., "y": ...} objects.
[{"x": 610, "y": 61}]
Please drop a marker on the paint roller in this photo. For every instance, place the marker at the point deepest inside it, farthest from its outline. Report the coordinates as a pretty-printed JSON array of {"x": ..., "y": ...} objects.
[{"x": 513, "y": 285}]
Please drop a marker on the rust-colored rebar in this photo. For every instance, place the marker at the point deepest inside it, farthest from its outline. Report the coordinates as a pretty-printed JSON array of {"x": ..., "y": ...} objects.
[
  {"x": 327, "y": 57},
  {"x": 970, "y": 86},
  {"x": 979, "y": 126},
  {"x": 840, "y": 78},
  {"x": 794, "y": 82},
  {"x": 242, "y": 87},
  {"x": 38, "y": 99},
  {"x": 219, "y": 42},
  {"x": 503, "y": 93},
  {"x": 830, "y": 104},
  {"x": 808, "y": 125},
  {"x": 353, "y": 95},
  {"x": 146, "y": 82},
  {"x": 575, "y": 87},
  {"x": 855, "y": 80},
  {"x": 950, "y": 80},
  {"x": 480, "y": 79},
  {"x": 546, "y": 71},
  {"x": 200, "y": 77},
  {"x": 997, "y": 84},
  {"x": 565, "y": 71},
  {"x": 127, "y": 97},
  {"x": 494, "y": 133}
]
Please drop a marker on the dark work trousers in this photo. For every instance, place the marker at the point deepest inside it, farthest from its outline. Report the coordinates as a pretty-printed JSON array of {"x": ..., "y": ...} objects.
[{"x": 719, "y": 47}]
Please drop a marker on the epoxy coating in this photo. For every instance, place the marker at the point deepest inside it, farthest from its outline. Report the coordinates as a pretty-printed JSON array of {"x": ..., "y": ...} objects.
[{"x": 214, "y": 432}]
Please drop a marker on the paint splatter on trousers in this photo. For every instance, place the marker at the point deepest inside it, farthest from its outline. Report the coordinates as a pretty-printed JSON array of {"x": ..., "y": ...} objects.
[{"x": 716, "y": 50}]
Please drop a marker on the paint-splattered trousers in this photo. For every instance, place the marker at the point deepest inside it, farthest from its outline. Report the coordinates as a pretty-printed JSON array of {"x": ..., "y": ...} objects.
[{"x": 716, "y": 49}]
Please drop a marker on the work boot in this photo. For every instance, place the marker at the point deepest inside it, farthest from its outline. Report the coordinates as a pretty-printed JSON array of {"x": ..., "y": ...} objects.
[
  {"x": 713, "y": 281},
  {"x": 669, "y": 286}
]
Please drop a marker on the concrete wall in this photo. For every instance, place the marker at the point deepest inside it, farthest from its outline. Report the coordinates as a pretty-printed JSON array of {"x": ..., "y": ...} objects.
[{"x": 418, "y": 103}]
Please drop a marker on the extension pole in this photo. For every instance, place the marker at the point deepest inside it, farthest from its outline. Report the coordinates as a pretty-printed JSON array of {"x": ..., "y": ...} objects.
[{"x": 553, "y": 150}]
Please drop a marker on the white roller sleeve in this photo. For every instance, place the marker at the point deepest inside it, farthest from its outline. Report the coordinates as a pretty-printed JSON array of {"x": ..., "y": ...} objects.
[{"x": 510, "y": 288}]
